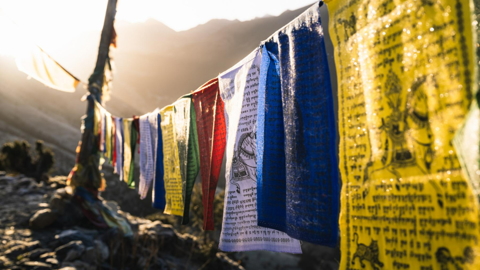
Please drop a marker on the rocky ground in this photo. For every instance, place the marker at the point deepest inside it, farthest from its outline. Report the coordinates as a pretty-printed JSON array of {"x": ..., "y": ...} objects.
[
  {"x": 41, "y": 229},
  {"x": 34, "y": 235}
]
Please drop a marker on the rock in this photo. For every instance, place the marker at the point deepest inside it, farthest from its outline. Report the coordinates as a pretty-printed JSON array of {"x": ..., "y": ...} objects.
[
  {"x": 72, "y": 235},
  {"x": 60, "y": 180},
  {"x": 317, "y": 257},
  {"x": 25, "y": 186},
  {"x": 226, "y": 263},
  {"x": 46, "y": 256},
  {"x": 36, "y": 265},
  {"x": 78, "y": 265},
  {"x": 42, "y": 219},
  {"x": 68, "y": 268},
  {"x": 102, "y": 250},
  {"x": 157, "y": 228},
  {"x": 267, "y": 260},
  {"x": 57, "y": 204},
  {"x": 112, "y": 205},
  {"x": 52, "y": 261},
  {"x": 72, "y": 215},
  {"x": 35, "y": 254},
  {"x": 4, "y": 262},
  {"x": 70, "y": 251},
  {"x": 90, "y": 255},
  {"x": 16, "y": 250}
]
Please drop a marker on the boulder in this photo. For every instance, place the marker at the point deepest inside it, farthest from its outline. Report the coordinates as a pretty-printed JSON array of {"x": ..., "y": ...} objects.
[
  {"x": 26, "y": 182},
  {"x": 42, "y": 219},
  {"x": 70, "y": 251},
  {"x": 16, "y": 250},
  {"x": 78, "y": 265},
  {"x": 102, "y": 251},
  {"x": 52, "y": 261},
  {"x": 72, "y": 235},
  {"x": 35, "y": 254},
  {"x": 36, "y": 265},
  {"x": 44, "y": 257}
]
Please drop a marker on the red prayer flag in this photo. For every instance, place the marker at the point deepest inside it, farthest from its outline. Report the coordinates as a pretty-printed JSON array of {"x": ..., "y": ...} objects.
[{"x": 211, "y": 130}]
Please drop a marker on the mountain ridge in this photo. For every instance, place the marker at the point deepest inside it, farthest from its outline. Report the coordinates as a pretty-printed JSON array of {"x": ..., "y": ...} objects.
[{"x": 155, "y": 65}]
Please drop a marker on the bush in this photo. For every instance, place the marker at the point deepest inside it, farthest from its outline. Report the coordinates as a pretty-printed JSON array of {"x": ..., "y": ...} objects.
[{"x": 15, "y": 157}]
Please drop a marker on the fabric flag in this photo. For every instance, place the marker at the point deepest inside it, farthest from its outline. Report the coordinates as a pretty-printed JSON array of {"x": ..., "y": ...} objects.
[
  {"x": 108, "y": 137},
  {"x": 102, "y": 126},
  {"x": 40, "y": 66},
  {"x": 187, "y": 139},
  {"x": 154, "y": 125},
  {"x": 300, "y": 154},
  {"x": 211, "y": 129},
  {"x": 467, "y": 146},
  {"x": 239, "y": 91},
  {"x": 119, "y": 144},
  {"x": 135, "y": 136},
  {"x": 97, "y": 121},
  {"x": 271, "y": 170},
  {"x": 146, "y": 156},
  {"x": 405, "y": 74},
  {"x": 171, "y": 164},
  {"x": 114, "y": 142},
  {"x": 158, "y": 194},
  {"x": 128, "y": 151}
]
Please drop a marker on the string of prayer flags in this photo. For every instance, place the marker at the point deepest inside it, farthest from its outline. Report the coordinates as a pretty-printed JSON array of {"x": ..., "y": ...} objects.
[
  {"x": 158, "y": 193},
  {"x": 40, "y": 66},
  {"x": 210, "y": 120},
  {"x": 171, "y": 164},
  {"x": 239, "y": 91},
  {"x": 405, "y": 77},
  {"x": 302, "y": 108}
]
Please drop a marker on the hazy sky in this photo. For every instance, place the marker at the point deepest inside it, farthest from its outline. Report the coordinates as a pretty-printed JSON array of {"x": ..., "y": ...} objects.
[
  {"x": 53, "y": 23},
  {"x": 177, "y": 14}
]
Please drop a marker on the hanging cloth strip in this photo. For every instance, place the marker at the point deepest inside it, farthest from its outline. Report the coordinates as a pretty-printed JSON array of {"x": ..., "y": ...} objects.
[
  {"x": 119, "y": 144},
  {"x": 40, "y": 66},
  {"x": 108, "y": 137},
  {"x": 297, "y": 116},
  {"x": 187, "y": 141},
  {"x": 467, "y": 146},
  {"x": 114, "y": 142},
  {"x": 129, "y": 151},
  {"x": 146, "y": 156},
  {"x": 239, "y": 91},
  {"x": 158, "y": 194},
  {"x": 171, "y": 163},
  {"x": 405, "y": 75},
  {"x": 211, "y": 129}
]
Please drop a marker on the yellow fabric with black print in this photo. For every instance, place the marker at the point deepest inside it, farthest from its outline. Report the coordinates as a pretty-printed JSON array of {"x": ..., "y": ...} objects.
[
  {"x": 405, "y": 74},
  {"x": 171, "y": 163}
]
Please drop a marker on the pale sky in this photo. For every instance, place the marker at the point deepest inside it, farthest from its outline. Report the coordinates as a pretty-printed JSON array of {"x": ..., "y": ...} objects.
[
  {"x": 177, "y": 14},
  {"x": 52, "y": 23}
]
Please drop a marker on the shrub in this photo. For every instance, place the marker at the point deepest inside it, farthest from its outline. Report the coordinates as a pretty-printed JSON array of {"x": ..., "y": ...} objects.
[{"x": 15, "y": 157}]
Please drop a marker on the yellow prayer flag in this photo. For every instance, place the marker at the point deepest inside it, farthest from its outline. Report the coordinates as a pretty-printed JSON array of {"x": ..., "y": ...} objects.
[
  {"x": 127, "y": 149},
  {"x": 171, "y": 163},
  {"x": 40, "y": 66},
  {"x": 405, "y": 77}
]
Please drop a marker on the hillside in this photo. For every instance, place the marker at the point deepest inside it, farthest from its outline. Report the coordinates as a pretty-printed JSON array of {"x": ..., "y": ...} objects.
[{"x": 154, "y": 66}]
